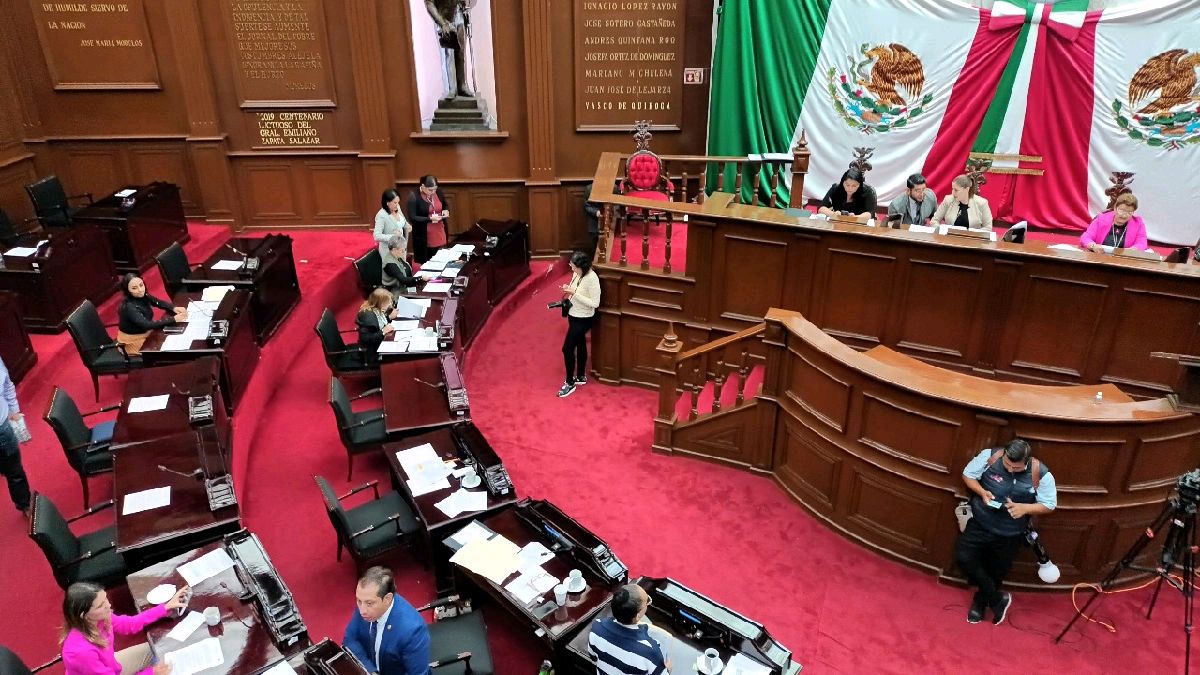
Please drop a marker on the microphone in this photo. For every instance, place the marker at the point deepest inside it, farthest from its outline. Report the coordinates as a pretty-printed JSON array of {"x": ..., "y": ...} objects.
[
  {"x": 1047, "y": 570},
  {"x": 237, "y": 251},
  {"x": 196, "y": 473},
  {"x": 481, "y": 227},
  {"x": 439, "y": 385}
]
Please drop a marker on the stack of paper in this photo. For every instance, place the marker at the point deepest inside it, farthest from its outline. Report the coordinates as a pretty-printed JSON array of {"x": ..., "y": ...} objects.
[
  {"x": 422, "y": 463},
  {"x": 210, "y": 564},
  {"x": 444, "y": 255},
  {"x": 176, "y": 343},
  {"x": 406, "y": 308},
  {"x": 227, "y": 265},
  {"x": 436, "y": 287},
  {"x": 405, "y": 324},
  {"x": 215, "y": 293},
  {"x": 154, "y": 498},
  {"x": 531, "y": 584},
  {"x": 139, "y": 404},
  {"x": 463, "y": 501},
  {"x": 471, "y": 532},
  {"x": 463, "y": 248},
  {"x": 423, "y": 344},
  {"x": 20, "y": 251},
  {"x": 533, "y": 554},
  {"x": 197, "y": 657},
  {"x": 494, "y": 558},
  {"x": 433, "y": 265}
]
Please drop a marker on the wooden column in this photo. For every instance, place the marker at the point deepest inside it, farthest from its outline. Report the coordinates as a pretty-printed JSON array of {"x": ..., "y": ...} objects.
[
  {"x": 207, "y": 143},
  {"x": 668, "y": 348},
  {"x": 542, "y": 184},
  {"x": 378, "y": 154},
  {"x": 800, "y": 157}
]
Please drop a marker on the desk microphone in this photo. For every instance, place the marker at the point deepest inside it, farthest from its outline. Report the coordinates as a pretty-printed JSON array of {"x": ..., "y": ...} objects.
[
  {"x": 439, "y": 385},
  {"x": 237, "y": 251},
  {"x": 197, "y": 473},
  {"x": 481, "y": 227}
]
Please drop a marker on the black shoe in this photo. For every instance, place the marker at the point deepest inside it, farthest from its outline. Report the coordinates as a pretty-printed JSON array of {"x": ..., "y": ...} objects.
[
  {"x": 567, "y": 389},
  {"x": 1000, "y": 609},
  {"x": 580, "y": 381},
  {"x": 975, "y": 613}
]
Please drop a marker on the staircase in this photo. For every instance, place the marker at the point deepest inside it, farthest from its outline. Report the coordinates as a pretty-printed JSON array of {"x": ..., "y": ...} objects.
[{"x": 458, "y": 113}]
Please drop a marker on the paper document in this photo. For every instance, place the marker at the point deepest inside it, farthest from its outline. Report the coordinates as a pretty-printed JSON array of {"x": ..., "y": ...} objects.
[
  {"x": 408, "y": 309},
  {"x": 922, "y": 229},
  {"x": 450, "y": 272},
  {"x": 418, "y": 488},
  {"x": 418, "y": 459},
  {"x": 424, "y": 303},
  {"x": 427, "y": 274},
  {"x": 127, "y": 192},
  {"x": 423, "y": 344},
  {"x": 436, "y": 287},
  {"x": 463, "y": 248},
  {"x": 281, "y": 668},
  {"x": 533, "y": 555},
  {"x": 463, "y": 501},
  {"x": 1064, "y": 247},
  {"x": 176, "y": 343},
  {"x": 446, "y": 255},
  {"x": 20, "y": 251},
  {"x": 531, "y": 584},
  {"x": 494, "y": 558},
  {"x": 188, "y": 625},
  {"x": 433, "y": 265},
  {"x": 406, "y": 324},
  {"x": 195, "y": 658},
  {"x": 740, "y": 664},
  {"x": 136, "y": 502},
  {"x": 393, "y": 347},
  {"x": 215, "y": 293},
  {"x": 210, "y": 564},
  {"x": 228, "y": 265},
  {"x": 471, "y": 532},
  {"x": 202, "y": 307},
  {"x": 148, "y": 403}
]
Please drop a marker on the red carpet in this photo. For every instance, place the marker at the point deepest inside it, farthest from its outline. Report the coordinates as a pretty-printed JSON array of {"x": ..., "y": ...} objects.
[{"x": 726, "y": 533}]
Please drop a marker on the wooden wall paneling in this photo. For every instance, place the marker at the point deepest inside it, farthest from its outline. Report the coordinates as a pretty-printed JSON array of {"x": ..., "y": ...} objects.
[
  {"x": 746, "y": 268},
  {"x": 934, "y": 290},
  {"x": 729, "y": 436},
  {"x": 17, "y": 44},
  {"x": 539, "y": 96},
  {"x": 270, "y": 190},
  {"x": 98, "y": 168},
  {"x": 888, "y": 511},
  {"x": 1122, "y": 531},
  {"x": 496, "y": 202},
  {"x": 1050, "y": 313},
  {"x": 803, "y": 253},
  {"x": 639, "y": 337},
  {"x": 700, "y": 252},
  {"x": 1160, "y": 460},
  {"x": 1068, "y": 538},
  {"x": 543, "y": 211},
  {"x": 907, "y": 430},
  {"x": 1126, "y": 360},
  {"x": 572, "y": 220},
  {"x": 1081, "y": 465},
  {"x": 811, "y": 472},
  {"x": 14, "y": 176},
  {"x": 606, "y": 346},
  {"x": 823, "y": 395},
  {"x": 856, "y": 292},
  {"x": 335, "y": 190},
  {"x": 167, "y": 162}
]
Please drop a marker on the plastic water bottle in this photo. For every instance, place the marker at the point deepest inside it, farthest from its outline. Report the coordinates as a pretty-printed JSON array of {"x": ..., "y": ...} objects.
[
  {"x": 1099, "y": 397},
  {"x": 547, "y": 668}
]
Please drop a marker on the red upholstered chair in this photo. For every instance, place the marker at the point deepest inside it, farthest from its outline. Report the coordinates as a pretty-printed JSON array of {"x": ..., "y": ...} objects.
[{"x": 645, "y": 177}]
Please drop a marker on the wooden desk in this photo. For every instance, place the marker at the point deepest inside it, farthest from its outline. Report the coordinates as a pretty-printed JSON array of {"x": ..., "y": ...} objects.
[
  {"x": 474, "y": 307},
  {"x": 75, "y": 266},
  {"x": 275, "y": 285},
  {"x": 331, "y": 656},
  {"x": 15, "y": 348},
  {"x": 508, "y": 261},
  {"x": 150, "y": 536},
  {"x": 557, "y": 624},
  {"x": 435, "y": 524},
  {"x": 435, "y": 318},
  {"x": 676, "y": 636},
  {"x": 246, "y": 641},
  {"x": 181, "y": 381},
  {"x": 410, "y": 406},
  {"x": 138, "y": 227},
  {"x": 238, "y": 353}
]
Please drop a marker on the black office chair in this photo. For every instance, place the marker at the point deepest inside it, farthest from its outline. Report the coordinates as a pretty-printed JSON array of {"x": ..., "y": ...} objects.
[
  {"x": 92, "y": 557},
  {"x": 174, "y": 267},
  {"x": 100, "y": 352},
  {"x": 86, "y": 448},
  {"x": 51, "y": 203},
  {"x": 342, "y": 358},
  {"x": 11, "y": 664},
  {"x": 372, "y": 529},
  {"x": 8, "y": 231},
  {"x": 458, "y": 645},
  {"x": 360, "y": 431},
  {"x": 370, "y": 271}
]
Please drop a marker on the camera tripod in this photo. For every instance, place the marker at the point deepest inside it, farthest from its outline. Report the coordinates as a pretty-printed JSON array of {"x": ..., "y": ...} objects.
[{"x": 1179, "y": 548}]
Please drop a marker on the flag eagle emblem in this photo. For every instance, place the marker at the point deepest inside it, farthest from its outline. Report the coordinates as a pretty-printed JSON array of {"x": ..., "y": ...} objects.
[
  {"x": 867, "y": 96},
  {"x": 1170, "y": 118}
]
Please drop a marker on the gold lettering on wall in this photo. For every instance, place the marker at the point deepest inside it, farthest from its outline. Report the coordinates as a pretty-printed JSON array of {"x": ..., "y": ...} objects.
[
  {"x": 292, "y": 129},
  {"x": 280, "y": 53},
  {"x": 96, "y": 45},
  {"x": 628, "y": 62}
]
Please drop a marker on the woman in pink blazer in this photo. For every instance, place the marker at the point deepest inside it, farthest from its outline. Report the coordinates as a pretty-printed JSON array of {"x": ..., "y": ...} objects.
[
  {"x": 1118, "y": 228},
  {"x": 88, "y": 628}
]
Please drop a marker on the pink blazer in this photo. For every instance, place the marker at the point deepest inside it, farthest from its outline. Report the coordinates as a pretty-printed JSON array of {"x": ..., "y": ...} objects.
[
  {"x": 81, "y": 657},
  {"x": 1135, "y": 231}
]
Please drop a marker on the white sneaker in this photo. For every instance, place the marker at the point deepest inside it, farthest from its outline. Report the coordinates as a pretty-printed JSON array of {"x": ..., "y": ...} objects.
[{"x": 567, "y": 390}]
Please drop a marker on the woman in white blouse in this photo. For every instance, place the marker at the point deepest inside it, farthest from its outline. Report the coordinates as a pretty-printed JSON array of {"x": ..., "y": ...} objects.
[{"x": 390, "y": 222}]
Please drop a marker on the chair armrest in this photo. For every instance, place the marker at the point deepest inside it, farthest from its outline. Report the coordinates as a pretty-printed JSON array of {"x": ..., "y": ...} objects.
[
  {"x": 81, "y": 196},
  {"x": 442, "y": 602},
  {"x": 103, "y": 410},
  {"x": 99, "y": 447},
  {"x": 374, "y": 485},
  {"x": 356, "y": 349},
  {"x": 104, "y": 347},
  {"x": 95, "y": 509},
  {"x": 365, "y": 421},
  {"x": 395, "y": 517},
  {"x": 51, "y": 662},
  {"x": 464, "y": 657},
  {"x": 88, "y": 447},
  {"x": 90, "y": 554},
  {"x": 369, "y": 392}
]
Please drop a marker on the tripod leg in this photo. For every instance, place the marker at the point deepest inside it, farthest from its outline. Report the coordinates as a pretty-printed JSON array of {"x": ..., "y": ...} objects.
[
  {"x": 1189, "y": 593},
  {"x": 1154, "y": 597}
]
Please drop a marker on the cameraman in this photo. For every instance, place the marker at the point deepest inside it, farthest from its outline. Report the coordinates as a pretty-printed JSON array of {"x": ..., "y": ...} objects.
[
  {"x": 1009, "y": 486},
  {"x": 581, "y": 296}
]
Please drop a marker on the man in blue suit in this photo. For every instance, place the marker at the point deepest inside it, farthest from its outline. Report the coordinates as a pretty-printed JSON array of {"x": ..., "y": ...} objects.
[{"x": 385, "y": 632}]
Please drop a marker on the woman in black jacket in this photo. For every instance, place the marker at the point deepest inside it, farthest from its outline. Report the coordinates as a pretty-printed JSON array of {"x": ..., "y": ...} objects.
[
  {"x": 428, "y": 211},
  {"x": 374, "y": 322},
  {"x": 135, "y": 316}
]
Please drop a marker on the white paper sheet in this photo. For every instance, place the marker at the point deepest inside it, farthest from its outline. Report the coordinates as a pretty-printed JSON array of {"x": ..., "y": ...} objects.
[
  {"x": 740, "y": 664},
  {"x": 463, "y": 501},
  {"x": 186, "y": 626},
  {"x": 148, "y": 403},
  {"x": 533, "y": 554},
  {"x": 470, "y": 533},
  {"x": 127, "y": 192},
  {"x": 215, "y": 293},
  {"x": 424, "y": 303},
  {"x": 136, "y": 502},
  {"x": 408, "y": 309},
  {"x": 227, "y": 265},
  {"x": 922, "y": 229},
  {"x": 20, "y": 251},
  {"x": 436, "y": 287},
  {"x": 417, "y": 459},
  {"x": 423, "y": 344},
  {"x": 531, "y": 584},
  {"x": 445, "y": 255},
  {"x": 196, "y": 657},
  {"x": 463, "y": 248},
  {"x": 450, "y": 272},
  {"x": 494, "y": 558},
  {"x": 433, "y": 265},
  {"x": 210, "y": 564},
  {"x": 202, "y": 307},
  {"x": 1064, "y": 247},
  {"x": 393, "y": 347},
  {"x": 406, "y": 324},
  {"x": 281, "y": 668},
  {"x": 423, "y": 488},
  {"x": 176, "y": 343}
]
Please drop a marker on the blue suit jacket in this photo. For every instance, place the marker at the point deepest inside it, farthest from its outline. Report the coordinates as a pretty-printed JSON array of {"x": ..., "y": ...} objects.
[{"x": 405, "y": 646}]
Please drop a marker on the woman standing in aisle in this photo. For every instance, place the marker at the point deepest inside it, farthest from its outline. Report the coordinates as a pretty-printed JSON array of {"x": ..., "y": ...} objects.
[
  {"x": 390, "y": 222},
  {"x": 428, "y": 210},
  {"x": 582, "y": 294}
]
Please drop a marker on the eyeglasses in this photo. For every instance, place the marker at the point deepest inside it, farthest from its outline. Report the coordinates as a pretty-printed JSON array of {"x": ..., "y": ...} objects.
[{"x": 1125, "y": 212}]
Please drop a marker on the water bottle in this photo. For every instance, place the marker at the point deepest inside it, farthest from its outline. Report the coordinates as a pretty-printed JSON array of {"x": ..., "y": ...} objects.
[
  {"x": 1099, "y": 397},
  {"x": 547, "y": 668}
]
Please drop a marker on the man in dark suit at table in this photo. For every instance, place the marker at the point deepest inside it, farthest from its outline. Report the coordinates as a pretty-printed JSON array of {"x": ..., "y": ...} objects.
[{"x": 386, "y": 633}]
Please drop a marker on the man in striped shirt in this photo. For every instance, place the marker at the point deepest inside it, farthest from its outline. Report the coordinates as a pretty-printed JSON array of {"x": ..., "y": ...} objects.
[{"x": 622, "y": 646}]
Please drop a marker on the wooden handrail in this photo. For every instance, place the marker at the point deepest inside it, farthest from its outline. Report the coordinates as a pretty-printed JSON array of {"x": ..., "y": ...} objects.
[{"x": 721, "y": 342}]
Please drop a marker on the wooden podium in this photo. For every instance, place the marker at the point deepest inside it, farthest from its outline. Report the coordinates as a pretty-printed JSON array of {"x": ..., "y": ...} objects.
[{"x": 1187, "y": 392}]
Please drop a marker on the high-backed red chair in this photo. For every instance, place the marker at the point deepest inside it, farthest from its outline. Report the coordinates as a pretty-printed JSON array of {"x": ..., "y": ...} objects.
[{"x": 645, "y": 177}]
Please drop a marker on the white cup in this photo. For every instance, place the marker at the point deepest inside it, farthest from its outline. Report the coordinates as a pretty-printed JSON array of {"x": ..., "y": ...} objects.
[
  {"x": 212, "y": 616},
  {"x": 712, "y": 660},
  {"x": 575, "y": 580},
  {"x": 560, "y": 594}
]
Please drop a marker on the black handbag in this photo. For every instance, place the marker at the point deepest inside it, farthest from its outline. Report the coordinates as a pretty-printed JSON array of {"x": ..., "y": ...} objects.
[{"x": 566, "y": 307}]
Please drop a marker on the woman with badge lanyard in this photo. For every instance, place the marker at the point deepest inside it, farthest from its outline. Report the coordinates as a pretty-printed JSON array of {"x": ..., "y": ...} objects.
[
  {"x": 1118, "y": 228},
  {"x": 428, "y": 211}
]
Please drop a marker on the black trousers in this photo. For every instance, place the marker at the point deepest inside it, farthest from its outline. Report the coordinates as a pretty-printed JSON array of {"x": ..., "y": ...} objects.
[
  {"x": 986, "y": 559},
  {"x": 574, "y": 347},
  {"x": 10, "y": 466}
]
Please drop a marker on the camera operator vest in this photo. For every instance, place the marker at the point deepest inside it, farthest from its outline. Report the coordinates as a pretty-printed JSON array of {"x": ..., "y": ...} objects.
[{"x": 1020, "y": 487}]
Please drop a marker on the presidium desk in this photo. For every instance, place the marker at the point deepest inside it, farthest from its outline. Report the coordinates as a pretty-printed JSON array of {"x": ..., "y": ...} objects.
[
  {"x": 1017, "y": 312},
  {"x": 139, "y": 225}
]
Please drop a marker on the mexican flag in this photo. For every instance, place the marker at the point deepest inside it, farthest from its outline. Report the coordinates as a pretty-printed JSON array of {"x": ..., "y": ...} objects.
[{"x": 931, "y": 83}]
